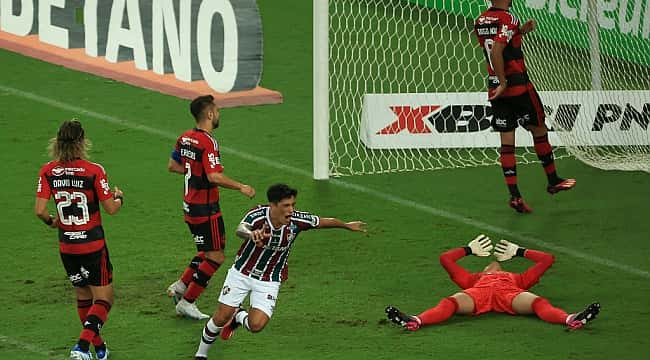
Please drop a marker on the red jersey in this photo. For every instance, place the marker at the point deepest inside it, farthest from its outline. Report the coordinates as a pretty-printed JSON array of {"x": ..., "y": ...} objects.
[
  {"x": 269, "y": 262},
  {"x": 199, "y": 154},
  {"x": 498, "y": 279},
  {"x": 77, "y": 187},
  {"x": 495, "y": 291},
  {"x": 498, "y": 25}
]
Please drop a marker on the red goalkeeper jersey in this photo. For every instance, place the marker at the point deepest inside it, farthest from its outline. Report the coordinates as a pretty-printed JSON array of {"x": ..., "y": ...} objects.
[
  {"x": 77, "y": 187},
  {"x": 499, "y": 279}
]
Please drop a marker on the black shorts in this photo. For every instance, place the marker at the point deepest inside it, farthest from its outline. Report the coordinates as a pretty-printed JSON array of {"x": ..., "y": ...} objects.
[
  {"x": 209, "y": 235},
  {"x": 522, "y": 110},
  {"x": 89, "y": 269}
]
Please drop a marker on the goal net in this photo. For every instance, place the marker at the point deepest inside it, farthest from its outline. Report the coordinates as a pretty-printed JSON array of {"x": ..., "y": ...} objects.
[{"x": 406, "y": 85}]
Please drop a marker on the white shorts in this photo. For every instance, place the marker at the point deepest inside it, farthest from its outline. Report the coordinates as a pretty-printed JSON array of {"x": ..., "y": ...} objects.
[{"x": 237, "y": 286}]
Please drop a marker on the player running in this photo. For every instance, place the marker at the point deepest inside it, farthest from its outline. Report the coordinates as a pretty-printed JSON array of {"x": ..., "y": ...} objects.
[
  {"x": 79, "y": 187},
  {"x": 269, "y": 232},
  {"x": 494, "y": 290}
]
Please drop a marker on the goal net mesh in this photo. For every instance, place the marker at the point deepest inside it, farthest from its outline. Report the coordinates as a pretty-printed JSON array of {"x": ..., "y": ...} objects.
[{"x": 428, "y": 46}]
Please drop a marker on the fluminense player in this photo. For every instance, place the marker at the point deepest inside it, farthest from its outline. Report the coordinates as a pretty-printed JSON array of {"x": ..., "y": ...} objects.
[
  {"x": 196, "y": 157},
  {"x": 494, "y": 290},
  {"x": 269, "y": 232},
  {"x": 513, "y": 97},
  {"x": 78, "y": 187}
]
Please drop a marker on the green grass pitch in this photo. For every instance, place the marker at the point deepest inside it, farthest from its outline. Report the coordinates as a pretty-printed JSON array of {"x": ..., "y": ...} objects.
[{"x": 339, "y": 282}]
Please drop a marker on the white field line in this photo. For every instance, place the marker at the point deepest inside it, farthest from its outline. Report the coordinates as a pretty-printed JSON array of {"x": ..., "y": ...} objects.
[
  {"x": 5, "y": 340},
  {"x": 512, "y": 235}
]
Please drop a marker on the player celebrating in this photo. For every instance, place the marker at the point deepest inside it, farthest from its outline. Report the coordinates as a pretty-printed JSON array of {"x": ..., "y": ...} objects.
[
  {"x": 260, "y": 266},
  {"x": 78, "y": 187},
  {"x": 513, "y": 97},
  {"x": 494, "y": 289},
  {"x": 197, "y": 157}
]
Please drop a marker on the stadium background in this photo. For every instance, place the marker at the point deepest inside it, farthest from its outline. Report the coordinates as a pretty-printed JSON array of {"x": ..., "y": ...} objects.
[{"x": 340, "y": 282}]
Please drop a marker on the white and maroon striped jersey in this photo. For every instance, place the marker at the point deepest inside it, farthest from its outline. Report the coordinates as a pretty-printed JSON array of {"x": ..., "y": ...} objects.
[{"x": 269, "y": 262}]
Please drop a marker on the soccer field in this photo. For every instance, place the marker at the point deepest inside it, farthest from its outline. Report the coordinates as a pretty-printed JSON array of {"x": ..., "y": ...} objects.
[{"x": 332, "y": 306}]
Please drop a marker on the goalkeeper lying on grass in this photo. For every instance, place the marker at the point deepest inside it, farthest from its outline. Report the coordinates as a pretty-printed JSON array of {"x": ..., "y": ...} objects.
[{"x": 494, "y": 289}]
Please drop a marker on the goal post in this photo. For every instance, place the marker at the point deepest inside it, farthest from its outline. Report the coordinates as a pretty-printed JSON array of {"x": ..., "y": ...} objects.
[{"x": 399, "y": 85}]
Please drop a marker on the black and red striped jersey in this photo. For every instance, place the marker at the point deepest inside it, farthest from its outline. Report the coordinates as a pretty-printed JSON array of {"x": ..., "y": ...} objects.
[
  {"x": 269, "y": 262},
  {"x": 199, "y": 155},
  {"x": 77, "y": 187},
  {"x": 498, "y": 25}
]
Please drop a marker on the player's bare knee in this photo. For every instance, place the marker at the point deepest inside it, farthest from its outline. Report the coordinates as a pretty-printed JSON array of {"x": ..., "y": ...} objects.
[{"x": 256, "y": 326}]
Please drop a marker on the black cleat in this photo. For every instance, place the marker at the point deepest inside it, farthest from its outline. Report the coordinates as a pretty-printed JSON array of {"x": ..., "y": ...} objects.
[
  {"x": 408, "y": 322},
  {"x": 582, "y": 318}
]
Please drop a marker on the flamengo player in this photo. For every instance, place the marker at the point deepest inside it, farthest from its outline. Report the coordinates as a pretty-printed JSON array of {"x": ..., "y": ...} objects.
[
  {"x": 494, "y": 290},
  {"x": 78, "y": 187},
  {"x": 196, "y": 156},
  {"x": 269, "y": 232},
  {"x": 513, "y": 97}
]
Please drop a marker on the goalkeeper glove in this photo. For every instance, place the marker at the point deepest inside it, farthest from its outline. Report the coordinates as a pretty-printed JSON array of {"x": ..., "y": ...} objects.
[
  {"x": 480, "y": 246},
  {"x": 506, "y": 250}
]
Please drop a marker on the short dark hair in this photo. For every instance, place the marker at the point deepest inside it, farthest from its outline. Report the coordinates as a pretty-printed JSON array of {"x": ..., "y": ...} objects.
[
  {"x": 198, "y": 105},
  {"x": 277, "y": 192}
]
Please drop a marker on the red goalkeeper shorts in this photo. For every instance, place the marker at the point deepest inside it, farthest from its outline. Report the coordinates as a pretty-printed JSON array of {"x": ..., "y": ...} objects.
[{"x": 491, "y": 299}]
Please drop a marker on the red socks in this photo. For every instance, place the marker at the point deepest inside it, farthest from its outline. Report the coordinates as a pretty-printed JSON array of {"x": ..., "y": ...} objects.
[
  {"x": 200, "y": 279},
  {"x": 445, "y": 309},
  {"x": 547, "y": 312}
]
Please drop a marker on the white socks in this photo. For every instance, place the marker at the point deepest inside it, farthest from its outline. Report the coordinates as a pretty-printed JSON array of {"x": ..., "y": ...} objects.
[
  {"x": 242, "y": 318},
  {"x": 210, "y": 334}
]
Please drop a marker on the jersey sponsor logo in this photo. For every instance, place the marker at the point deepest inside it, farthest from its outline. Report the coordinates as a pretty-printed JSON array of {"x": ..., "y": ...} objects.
[
  {"x": 505, "y": 33},
  {"x": 105, "y": 187},
  {"x": 76, "y": 235},
  {"x": 213, "y": 159},
  {"x": 482, "y": 20},
  {"x": 60, "y": 171},
  {"x": 185, "y": 140}
]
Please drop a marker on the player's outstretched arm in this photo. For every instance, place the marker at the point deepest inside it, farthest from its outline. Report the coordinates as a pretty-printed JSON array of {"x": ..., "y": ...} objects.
[{"x": 336, "y": 223}]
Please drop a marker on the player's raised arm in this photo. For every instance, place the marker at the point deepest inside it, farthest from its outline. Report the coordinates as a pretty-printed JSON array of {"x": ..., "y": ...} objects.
[
  {"x": 336, "y": 223},
  {"x": 479, "y": 246}
]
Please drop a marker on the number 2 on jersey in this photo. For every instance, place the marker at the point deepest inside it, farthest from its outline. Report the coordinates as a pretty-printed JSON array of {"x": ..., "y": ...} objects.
[{"x": 188, "y": 175}]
